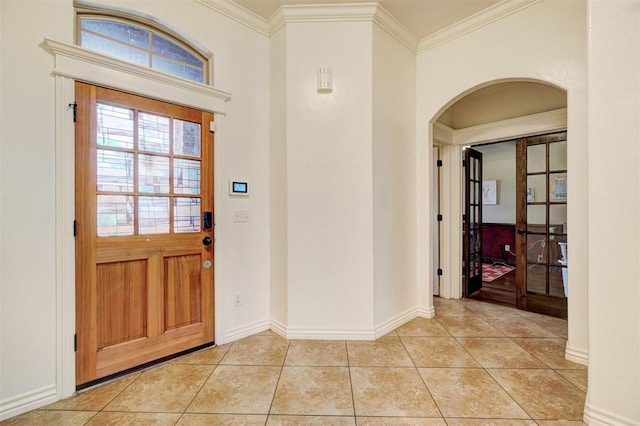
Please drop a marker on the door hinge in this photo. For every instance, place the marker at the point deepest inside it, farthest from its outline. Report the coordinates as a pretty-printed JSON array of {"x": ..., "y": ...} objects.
[
  {"x": 75, "y": 342},
  {"x": 439, "y": 218},
  {"x": 464, "y": 163},
  {"x": 439, "y": 163},
  {"x": 74, "y": 105},
  {"x": 213, "y": 126},
  {"x": 464, "y": 217},
  {"x": 439, "y": 272},
  {"x": 75, "y": 227}
]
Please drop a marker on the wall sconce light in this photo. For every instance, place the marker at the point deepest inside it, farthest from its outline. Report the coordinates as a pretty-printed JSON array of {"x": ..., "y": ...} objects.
[{"x": 325, "y": 77}]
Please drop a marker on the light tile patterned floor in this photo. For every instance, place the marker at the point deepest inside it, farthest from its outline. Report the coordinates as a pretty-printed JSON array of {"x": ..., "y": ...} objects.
[{"x": 474, "y": 364}]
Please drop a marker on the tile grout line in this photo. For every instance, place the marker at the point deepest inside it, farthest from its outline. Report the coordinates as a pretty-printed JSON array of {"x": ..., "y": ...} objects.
[
  {"x": 203, "y": 384},
  {"x": 423, "y": 381},
  {"x": 353, "y": 398},
  {"x": 275, "y": 390}
]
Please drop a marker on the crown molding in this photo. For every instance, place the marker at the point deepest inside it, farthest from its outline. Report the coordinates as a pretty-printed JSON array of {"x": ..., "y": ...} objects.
[
  {"x": 348, "y": 12},
  {"x": 234, "y": 11},
  {"x": 474, "y": 22},
  {"x": 396, "y": 29},
  {"x": 344, "y": 12}
]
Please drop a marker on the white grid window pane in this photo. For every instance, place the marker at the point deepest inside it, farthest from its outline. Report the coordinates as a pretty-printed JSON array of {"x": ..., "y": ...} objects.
[
  {"x": 153, "y": 174},
  {"x": 153, "y": 215},
  {"x": 186, "y": 176},
  {"x": 186, "y": 138},
  {"x": 115, "y": 170},
  {"x": 153, "y": 133},
  {"x": 186, "y": 215},
  {"x": 115, "y": 126},
  {"x": 115, "y": 215}
]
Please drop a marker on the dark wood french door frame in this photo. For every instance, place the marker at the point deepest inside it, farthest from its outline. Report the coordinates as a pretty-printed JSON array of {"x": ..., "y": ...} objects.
[
  {"x": 539, "y": 259},
  {"x": 472, "y": 220}
]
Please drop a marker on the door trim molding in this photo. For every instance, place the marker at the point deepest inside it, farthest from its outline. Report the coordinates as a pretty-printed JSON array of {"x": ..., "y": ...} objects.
[
  {"x": 528, "y": 125},
  {"x": 92, "y": 67},
  {"x": 101, "y": 73}
]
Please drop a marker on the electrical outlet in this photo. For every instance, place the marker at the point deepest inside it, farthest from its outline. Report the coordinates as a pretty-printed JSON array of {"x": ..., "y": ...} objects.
[
  {"x": 507, "y": 247},
  {"x": 540, "y": 258},
  {"x": 237, "y": 301}
]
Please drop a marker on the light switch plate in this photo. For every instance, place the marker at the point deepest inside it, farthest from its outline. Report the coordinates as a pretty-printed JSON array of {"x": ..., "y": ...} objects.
[{"x": 241, "y": 216}]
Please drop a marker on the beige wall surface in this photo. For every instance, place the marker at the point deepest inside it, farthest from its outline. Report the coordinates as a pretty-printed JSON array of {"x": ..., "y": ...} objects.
[
  {"x": 614, "y": 208},
  {"x": 394, "y": 220},
  {"x": 499, "y": 163}
]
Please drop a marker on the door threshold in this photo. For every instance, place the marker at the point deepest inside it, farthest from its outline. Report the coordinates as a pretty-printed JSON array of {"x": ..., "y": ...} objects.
[{"x": 146, "y": 365}]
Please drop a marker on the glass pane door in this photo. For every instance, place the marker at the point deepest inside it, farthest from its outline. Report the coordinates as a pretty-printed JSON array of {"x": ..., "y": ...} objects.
[{"x": 542, "y": 224}]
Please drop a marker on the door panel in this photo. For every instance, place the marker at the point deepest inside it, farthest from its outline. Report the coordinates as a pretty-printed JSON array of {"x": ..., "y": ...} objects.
[
  {"x": 183, "y": 290},
  {"x": 541, "y": 216},
  {"x": 144, "y": 281},
  {"x": 122, "y": 299},
  {"x": 472, "y": 235}
]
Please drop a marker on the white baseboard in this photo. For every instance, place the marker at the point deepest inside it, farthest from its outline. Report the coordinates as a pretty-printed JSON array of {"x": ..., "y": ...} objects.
[
  {"x": 426, "y": 312},
  {"x": 597, "y": 417},
  {"x": 350, "y": 334},
  {"x": 329, "y": 334},
  {"x": 394, "y": 322},
  {"x": 28, "y": 401},
  {"x": 246, "y": 331},
  {"x": 576, "y": 355}
]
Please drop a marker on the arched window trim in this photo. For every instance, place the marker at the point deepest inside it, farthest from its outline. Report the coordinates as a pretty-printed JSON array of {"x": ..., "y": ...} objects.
[{"x": 86, "y": 9}]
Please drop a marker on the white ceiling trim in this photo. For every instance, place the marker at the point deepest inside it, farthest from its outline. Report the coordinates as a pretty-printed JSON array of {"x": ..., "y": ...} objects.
[
  {"x": 369, "y": 12},
  {"x": 287, "y": 14},
  {"x": 353, "y": 12},
  {"x": 240, "y": 14},
  {"x": 474, "y": 22},
  {"x": 528, "y": 125}
]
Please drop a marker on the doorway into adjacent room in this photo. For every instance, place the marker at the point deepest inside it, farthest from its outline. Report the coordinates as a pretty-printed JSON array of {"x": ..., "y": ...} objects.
[{"x": 515, "y": 224}]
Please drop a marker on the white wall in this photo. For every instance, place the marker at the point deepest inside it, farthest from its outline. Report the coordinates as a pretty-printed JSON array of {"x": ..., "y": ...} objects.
[
  {"x": 329, "y": 178},
  {"x": 614, "y": 232},
  {"x": 499, "y": 163},
  {"x": 505, "y": 49},
  {"x": 394, "y": 208},
  {"x": 278, "y": 176},
  {"x": 3, "y": 38},
  {"x": 27, "y": 249},
  {"x": 27, "y": 276}
]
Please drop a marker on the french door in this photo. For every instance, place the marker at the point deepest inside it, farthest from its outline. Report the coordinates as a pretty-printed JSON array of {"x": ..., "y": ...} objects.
[
  {"x": 472, "y": 220},
  {"x": 541, "y": 224},
  {"x": 144, "y": 230}
]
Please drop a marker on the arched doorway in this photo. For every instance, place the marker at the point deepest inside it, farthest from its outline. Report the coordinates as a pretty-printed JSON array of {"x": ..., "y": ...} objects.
[{"x": 493, "y": 112}]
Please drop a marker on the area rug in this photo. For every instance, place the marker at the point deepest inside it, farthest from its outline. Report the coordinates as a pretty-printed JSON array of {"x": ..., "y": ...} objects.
[{"x": 493, "y": 272}]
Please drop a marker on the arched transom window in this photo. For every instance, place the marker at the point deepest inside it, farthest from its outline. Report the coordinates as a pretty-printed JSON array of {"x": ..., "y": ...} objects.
[{"x": 142, "y": 45}]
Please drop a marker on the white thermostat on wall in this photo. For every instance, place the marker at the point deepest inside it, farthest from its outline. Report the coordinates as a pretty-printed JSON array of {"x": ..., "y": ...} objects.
[{"x": 238, "y": 188}]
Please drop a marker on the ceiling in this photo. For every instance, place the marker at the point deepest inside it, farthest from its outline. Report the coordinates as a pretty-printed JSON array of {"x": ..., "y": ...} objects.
[{"x": 421, "y": 17}]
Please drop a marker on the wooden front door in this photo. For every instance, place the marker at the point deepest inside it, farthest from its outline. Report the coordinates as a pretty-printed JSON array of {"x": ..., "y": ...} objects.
[
  {"x": 144, "y": 253},
  {"x": 541, "y": 224},
  {"x": 472, "y": 238}
]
